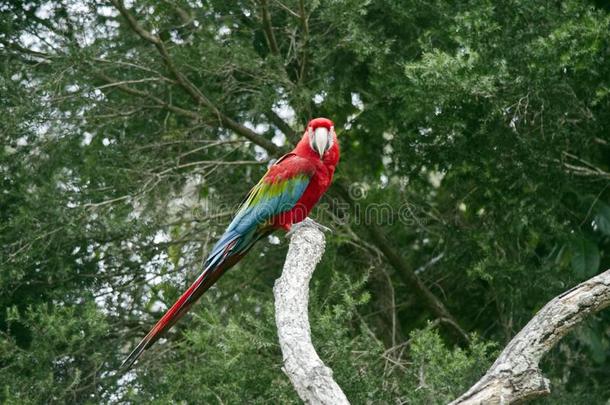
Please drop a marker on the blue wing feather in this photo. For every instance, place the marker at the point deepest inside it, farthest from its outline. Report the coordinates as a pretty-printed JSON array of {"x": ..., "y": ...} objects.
[{"x": 264, "y": 202}]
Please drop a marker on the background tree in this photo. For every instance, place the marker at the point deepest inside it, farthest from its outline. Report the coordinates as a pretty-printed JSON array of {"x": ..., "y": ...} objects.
[{"x": 130, "y": 131}]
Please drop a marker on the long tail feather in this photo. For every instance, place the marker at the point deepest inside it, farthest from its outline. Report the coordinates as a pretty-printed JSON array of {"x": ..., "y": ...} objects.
[
  {"x": 169, "y": 319},
  {"x": 219, "y": 261}
]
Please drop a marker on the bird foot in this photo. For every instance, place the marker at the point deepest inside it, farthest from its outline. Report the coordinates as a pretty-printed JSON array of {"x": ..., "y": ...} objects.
[{"x": 306, "y": 222}]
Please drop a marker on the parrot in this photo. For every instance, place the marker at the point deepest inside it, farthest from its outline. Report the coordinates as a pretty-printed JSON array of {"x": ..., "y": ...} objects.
[{"x": 284, "y": 196}]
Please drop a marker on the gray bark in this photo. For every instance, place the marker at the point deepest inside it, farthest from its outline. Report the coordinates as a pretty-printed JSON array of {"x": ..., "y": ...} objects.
[
  {"x": 312, "y": 380},
  {"x": 515, "y": 376}
]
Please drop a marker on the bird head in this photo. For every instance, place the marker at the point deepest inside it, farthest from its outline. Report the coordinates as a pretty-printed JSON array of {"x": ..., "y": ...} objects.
[{"x": 321, "y": 133}]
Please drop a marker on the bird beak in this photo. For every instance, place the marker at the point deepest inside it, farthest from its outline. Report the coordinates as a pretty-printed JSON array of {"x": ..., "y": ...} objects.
[{"x": 320, "y": 140}]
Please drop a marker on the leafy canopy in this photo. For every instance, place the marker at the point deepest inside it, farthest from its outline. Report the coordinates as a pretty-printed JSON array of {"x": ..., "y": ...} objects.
[{"x": 477, "y": 130}]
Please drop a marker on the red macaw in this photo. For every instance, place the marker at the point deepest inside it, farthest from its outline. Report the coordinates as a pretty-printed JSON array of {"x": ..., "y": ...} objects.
[{"x": 284, "y": 196}]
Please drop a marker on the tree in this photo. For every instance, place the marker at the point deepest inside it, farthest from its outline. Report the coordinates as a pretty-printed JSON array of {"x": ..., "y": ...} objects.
[{"x": 472, "y": 189}]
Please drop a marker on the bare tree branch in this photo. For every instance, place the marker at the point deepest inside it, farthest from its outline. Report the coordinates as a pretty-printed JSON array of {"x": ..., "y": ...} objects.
[
  {"x": 405, "y": 272},
  {"x": 189, "y": 87},
  {"x": 268, "y": 28},
  {"x": 305, "y": 24},
  {"x": 283, "y": 126},
  {"x": 412, "y": 280},
  {"x": 292, "y": 13},
  {"x": 133, "y": 91},
  {"x": 515, "y": 375},
  {"x": 310, "y": 377}
]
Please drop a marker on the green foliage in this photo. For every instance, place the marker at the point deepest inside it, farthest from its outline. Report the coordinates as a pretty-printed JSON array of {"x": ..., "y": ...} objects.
[
  {"x": 63, "y": 362},
  {"x": 441, "y": 373},
  {"x": 481, "y": 127}
]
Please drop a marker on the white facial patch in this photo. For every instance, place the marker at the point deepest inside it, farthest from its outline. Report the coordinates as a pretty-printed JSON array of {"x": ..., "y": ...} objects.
[{"x": 320, "y": 140}]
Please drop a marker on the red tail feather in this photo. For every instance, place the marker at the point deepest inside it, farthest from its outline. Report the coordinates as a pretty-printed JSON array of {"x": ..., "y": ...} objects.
[{"x": 182, "y": 306}]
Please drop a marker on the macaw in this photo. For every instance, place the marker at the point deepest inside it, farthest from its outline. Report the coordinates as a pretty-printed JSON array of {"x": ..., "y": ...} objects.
[{"x": 284, "y": 196}]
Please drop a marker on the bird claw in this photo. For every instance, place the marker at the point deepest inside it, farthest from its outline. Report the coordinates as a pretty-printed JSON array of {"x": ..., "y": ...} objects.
[
  {"x": 317, "y": 225},
  {"x": 306, "y": 222}
]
